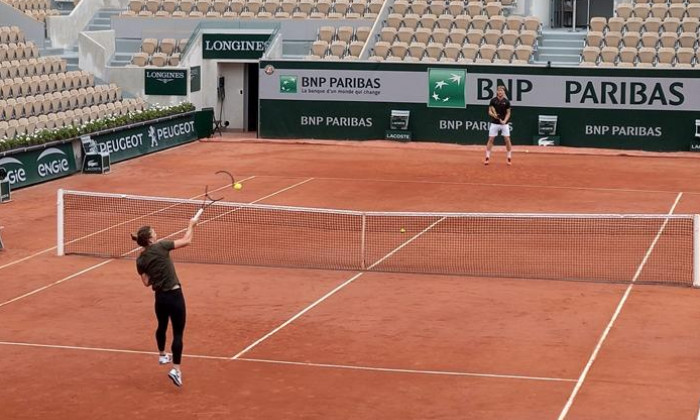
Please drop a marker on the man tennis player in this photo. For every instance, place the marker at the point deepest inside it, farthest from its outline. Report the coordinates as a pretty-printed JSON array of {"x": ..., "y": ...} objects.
[
  {"x": 499, "y": 111},
  {"x": 157, "y": 270}
]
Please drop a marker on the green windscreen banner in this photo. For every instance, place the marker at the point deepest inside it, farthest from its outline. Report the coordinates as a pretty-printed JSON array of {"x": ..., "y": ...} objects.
[
  {"x": 195, "y": 78},
  {"x": 32, "y": 167},
  {"x": 165, "y": 82},
  {"x": 147, "y": 138},
  {"x": 235, "y": 46},
  {"x": 614, "y": 108}
]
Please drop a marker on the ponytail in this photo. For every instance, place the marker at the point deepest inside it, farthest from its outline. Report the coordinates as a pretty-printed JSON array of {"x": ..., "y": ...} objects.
[{"x": 143, "y": 236}]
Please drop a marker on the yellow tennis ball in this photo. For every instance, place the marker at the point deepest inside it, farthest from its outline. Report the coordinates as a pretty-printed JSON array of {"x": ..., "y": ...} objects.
[
  {"x": 402, "y": 230},
  {"x": 237, "y": 186}
]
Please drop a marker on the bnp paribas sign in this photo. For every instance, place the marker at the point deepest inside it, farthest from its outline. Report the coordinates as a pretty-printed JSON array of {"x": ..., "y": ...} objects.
[
  {"x": 166, "y": 82},
  {"x": 234, "y": 46}
]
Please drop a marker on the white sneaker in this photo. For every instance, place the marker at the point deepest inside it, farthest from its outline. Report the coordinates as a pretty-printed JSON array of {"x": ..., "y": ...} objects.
[
  {"x": 176, "y": 376},
  {"x": 164, "y": 360}
]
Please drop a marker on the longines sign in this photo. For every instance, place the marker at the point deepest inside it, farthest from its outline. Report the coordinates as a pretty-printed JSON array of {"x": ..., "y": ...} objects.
[{"x": 234, "y": 46}]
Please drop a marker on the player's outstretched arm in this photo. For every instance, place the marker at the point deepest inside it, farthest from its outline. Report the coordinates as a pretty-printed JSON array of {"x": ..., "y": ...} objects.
[{"x": 189, "y": 235}]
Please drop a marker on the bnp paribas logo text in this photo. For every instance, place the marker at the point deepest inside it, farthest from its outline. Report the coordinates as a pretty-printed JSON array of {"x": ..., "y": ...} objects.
[
  {"x": 446, "y": 88},
  {"x": 288, "y": 84}
]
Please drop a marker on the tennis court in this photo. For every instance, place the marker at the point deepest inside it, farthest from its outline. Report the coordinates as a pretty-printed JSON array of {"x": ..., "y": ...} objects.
[{"x": 76, "y": 332}]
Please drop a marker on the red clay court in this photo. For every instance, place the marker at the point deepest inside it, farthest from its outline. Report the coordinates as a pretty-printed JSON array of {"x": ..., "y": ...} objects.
[{"x": 76, "y": 332}]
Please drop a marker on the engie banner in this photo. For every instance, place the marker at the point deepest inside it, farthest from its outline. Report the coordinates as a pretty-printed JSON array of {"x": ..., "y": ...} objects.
[
  {"x": 147, "y": 138},
  {"x": 39, "y": 165},
  {"x": 619, "y": 108}
]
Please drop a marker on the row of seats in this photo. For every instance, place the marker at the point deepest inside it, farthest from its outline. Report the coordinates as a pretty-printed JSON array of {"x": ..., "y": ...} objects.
[
  {"x": 459, "y": 36},
  {"x": 11, "y": 128},
  {"x": 659, "y": 10},
  {"x": 58, "y": 101},
  {"x": 18, "y": 51},
  {"x": 159, "y": 59},
  {"x": 31, "y": 67},
  {"x": 447, "y": 21},
  {"x": 29, "y": 4},
  {"x": 664, "y": 1},
  {"x": 35, "y": 85},
  {"x": 669, "y": 24},
  {"x": 234, "y": 8},
  {"x": 196, "y": 14},
  {"x": 646, "y": 39},
  {"x": 642, "y": 57},
  {"x": 343, "y": 33},
  {"x": 484, "y": 53},
  {"x": 41, "y": 15},
  {"x": 455, "y": 8},
  {"x": 11, "y": 34},
  {"x": 165, "y": 45}
]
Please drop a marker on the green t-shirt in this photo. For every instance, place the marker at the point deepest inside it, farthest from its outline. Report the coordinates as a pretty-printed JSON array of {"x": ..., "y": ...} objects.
[{"x": 156, "y": 263}]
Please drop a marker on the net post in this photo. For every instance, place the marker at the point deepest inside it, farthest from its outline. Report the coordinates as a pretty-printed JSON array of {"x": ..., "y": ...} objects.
[
  {"x": 696, "y": 250},
  {"x": 362, "y": 241},
  {"x": 59, "y": 223}
]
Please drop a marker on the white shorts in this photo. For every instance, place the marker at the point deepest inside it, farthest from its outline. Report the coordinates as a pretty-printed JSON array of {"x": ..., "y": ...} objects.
[{"x": 494, "y": 129}]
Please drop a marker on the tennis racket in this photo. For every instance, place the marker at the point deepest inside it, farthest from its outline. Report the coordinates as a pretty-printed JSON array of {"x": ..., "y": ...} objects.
[{"x": 208, "y": 201}]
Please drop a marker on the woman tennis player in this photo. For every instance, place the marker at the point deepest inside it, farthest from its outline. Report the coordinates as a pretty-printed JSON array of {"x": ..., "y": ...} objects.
[{"x": 157, "y": 270}]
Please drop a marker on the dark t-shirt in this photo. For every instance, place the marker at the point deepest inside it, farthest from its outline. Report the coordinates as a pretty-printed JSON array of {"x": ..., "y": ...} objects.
[
  {"x": 156, "y": 263},
  {"x": 501, "y": 106}
]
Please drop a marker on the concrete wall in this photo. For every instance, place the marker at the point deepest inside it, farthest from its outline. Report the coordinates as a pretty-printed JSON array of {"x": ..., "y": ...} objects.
[
  {"x": 64, "y": 30},
  {"x": 94, "y": 51},
  {"x": 32, "y": 28}
]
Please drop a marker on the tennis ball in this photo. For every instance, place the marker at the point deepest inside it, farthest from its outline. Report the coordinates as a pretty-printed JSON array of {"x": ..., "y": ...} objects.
[
  {"x": 237, "y": 186},
  {"x": 402, "y": 230}
]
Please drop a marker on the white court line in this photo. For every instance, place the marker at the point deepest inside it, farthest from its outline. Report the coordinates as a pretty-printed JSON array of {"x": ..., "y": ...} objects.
[
  {"x": 414, "y": 371},
  {"x": 94, "y": 233},
  {"x": 623, "y": 300},
  {"x": 113, "y": 259},
  {"x": 305, "y": 364},
  {"x": 329, "y": 294}
]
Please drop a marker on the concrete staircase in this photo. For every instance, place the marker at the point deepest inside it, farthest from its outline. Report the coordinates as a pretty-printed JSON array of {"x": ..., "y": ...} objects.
[
  {"x": 102, "y": 21},
  {"x": 560, "y": 47}
]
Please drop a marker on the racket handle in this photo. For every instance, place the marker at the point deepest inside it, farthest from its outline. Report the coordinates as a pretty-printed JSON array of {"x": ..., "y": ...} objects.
[{"x": 196, "y": 215}]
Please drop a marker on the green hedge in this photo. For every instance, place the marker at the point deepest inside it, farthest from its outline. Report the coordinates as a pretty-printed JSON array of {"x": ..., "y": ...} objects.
[{"x": 63, "y": 133}]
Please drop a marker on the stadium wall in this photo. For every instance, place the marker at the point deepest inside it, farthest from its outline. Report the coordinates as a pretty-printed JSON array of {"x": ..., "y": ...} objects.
[{"x": 608, "y": 108}]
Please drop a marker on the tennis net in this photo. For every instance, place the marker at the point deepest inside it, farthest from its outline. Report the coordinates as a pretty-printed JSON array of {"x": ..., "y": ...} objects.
[{"x": 618, "y": 248}]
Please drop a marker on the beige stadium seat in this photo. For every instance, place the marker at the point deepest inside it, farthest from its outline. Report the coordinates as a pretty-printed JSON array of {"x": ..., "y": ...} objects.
[
  {"x": 455, "y": 7},
  {"x": 440, "y": 35},
  {"x": 474, "y": 8},
  {"x": 532, "y": 23},
  {"x": 497, "y": 22},
  {"x": 615, "y": 24},
  {"x": 422, "y": 35},
  {"x": 304, "y": 6},
  {"x": 524, "y": 53},
  {"x": 270, "y": 6},
  {"x": 174, "y": 60},
  {"x": 488, "y": 52},
  {"x": 398, "y": 49},
  {"x": 492, "y": 36},
  {"x": 676, "y": 10},
  {"x": 528, "y": 37},
  {"x": 505, "y": 52},
  {"x": 612, "y": 39},
  {"x": 659, "y": 10},
  {"x": 479, "y": 22},
  {"x": 375, "y": 6},
  {"x": 671, "y": 24},
  {"x": 428, "y": 20},
  {"x": 319, "y": 48},
  {"x": 404, "y": 34},
  {"x": 326, "y": 33},
  {"x": 652, "y": 24},
  {"x": 642, "y": 10},
  {"x": 136, "y": 5},
  {"x": 668, "y": 39},
  {"x": 149, "y": 45},
  {"x": 401, "y": 7},
  {"x": 338, "y": 48},
  {"x": 634, "y": 24},
  {"x": 418, "y": 7},
  {"x": 609, "y": 54},
  {"x": 359, "y": 7},
  {"x": 381, "y": 49},
  {"x": 685, "y": 55},
  {"x": 411, "y": 20},
  {"x": 631, "y": 39},
  {"x": 650, "y": 39},
  {"x": 493, "y": 8},
  {"x": 438, "y": 7},
  {"x": 462, "y": 22},
  {"x": 393, "y": 20},
  {"x": 169, "y": 5},
  {"x": 590, "y": 54},
  {"x": 153, "y": 5},
  {"x": 355, "y": 48},
  {"x": 434, "y": 50},
  {"x": 475, "y": 36},
  {"x": 345, "y": 33},
  {"x": 687, "y": 39},
  {"x": 167, "y": 45},
  {"x": 416, "y": 49},
  {"x": 665, "y": 56},
  {"x": 452, "y": 51},
  {"x": 362, "y": 33},
  {"x": 470, "y": 52},
  {"x": 598, "y": 24},
  {"x": 628, "y": 55},
  {"x": 693, "y": 10},
  {"x": 514, "y": 22},
  {"x": 388, "y": 33},
  {"x": 159, "y": 59},
  {"x": 458, "y": 36},
  {"x": 445, "y": 21}
]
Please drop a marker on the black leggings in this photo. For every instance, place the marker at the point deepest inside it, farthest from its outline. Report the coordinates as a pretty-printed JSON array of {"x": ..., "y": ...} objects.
[{"x": 171, "y": 305}]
